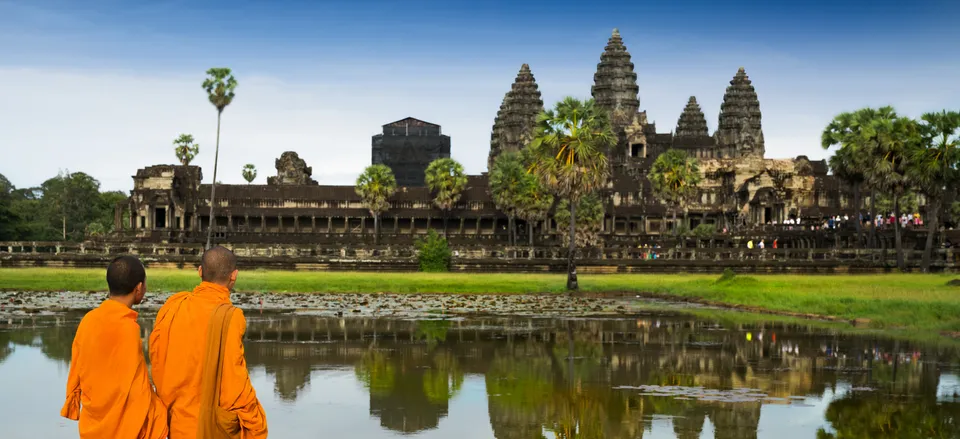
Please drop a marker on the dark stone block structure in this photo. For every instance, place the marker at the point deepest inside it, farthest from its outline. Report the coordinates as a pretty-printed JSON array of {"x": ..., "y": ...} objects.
[{"x": 408, "y": 146}]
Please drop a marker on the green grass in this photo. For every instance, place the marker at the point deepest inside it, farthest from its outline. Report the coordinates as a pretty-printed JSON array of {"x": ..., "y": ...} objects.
[{"x": 897, "y": 301}]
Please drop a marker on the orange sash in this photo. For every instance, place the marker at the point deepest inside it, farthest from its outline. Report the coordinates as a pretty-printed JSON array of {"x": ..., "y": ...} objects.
[{"x": 214, "y": 421}]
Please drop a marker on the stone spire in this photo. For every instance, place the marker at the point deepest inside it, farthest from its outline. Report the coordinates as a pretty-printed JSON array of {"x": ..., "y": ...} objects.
[
  {"x": 615, "y": 83},
  {"x": 739, "y": 132},
  {"x": 692, "y": 123},
  {"x": 515, "y": 122}
]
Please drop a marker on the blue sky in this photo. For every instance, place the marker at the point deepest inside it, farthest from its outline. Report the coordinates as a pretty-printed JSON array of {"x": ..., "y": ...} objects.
[{"x": 105, "y": 86}]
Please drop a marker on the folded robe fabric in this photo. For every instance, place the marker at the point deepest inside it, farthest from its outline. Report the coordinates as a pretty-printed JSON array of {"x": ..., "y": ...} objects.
[{"x": 108, "y": 389}]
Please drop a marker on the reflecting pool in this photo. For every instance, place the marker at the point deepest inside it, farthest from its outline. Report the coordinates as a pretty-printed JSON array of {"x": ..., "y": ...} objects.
[{"x": 656, "y": 376}]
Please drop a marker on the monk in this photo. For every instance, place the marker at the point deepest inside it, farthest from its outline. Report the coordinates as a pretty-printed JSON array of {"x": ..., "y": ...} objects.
[
  {"x": 108, "y": 389},
  {"x": 184, "y": 354}
]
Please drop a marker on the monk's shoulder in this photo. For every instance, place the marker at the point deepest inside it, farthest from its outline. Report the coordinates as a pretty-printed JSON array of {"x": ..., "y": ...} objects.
[{"x": 238, "y": 320}]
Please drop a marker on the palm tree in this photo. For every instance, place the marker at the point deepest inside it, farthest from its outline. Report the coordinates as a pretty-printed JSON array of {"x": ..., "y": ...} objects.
[
  {"x": 249, "y": 172},
  {"x": 507, "y": 177},
  {"x": 375, "y": 186},
  {"x": 848, "y": 163},
  {"x": 446, "y": 179},
  {"x": 185, "y": 149},
  {"x": 934, "y": 167},
  {"x": 220, "y": 86},
  {"x": 533, "y": 201},
  {"x": 674, "y": 178},
  {"x": 569, "y": 155},
  {"x": 892, "y": 137}
]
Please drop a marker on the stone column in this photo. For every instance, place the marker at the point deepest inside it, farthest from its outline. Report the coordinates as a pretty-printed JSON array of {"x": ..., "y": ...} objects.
[
  {"x": 363, "y": 225},
  {"x": 346, "y": 225},
  {"x": 396, "y": 224},
  {"x": 329, "y": 224},
  {"x": 279, "y": 223},
  {"x": 296, "y": 223},
  {"x": 230, "y": 222},
  {"x": 263, "y": 223},
  {"x": 313, "y": 224}
]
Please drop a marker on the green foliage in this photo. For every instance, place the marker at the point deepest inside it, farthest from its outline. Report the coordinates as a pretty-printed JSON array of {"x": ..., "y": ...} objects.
[
  {"x": 8, "y": 217},
  {"x": 704, "y": 231},
  {"x": 908, "y": 203},
  {"x": 955, "y": 211},
  {"x": 433, "y": 253},
  {"x": 185, "y": 149},
  {"x": 220, "y": 86},
  {"x": 249, "y": 172},
  {"x": 588, "y": 223},
  {"x": 570, "y": 146},
  {"x": 534, "y": 200},
  {"x": 375, "y": 186},
  {"x": 933, "y": 164},
  {"x": 727, "y": 276},
  {"x": 674, "y": 178},
  {"x": 446, "y": 179},
  {"x": 70, "y": 201},
  {"x": 507, "y": 180}
]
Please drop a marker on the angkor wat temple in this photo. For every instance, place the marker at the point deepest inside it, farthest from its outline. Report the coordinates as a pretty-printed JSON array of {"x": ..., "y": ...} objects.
[{"x": 741, "y": 188}]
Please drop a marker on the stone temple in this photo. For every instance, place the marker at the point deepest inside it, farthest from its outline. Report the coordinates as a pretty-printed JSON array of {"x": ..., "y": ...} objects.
[{"x": 741, "y": 187}]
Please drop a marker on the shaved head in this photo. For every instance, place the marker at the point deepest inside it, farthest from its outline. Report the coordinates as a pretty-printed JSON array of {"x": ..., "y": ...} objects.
[
  {"x": 218, "y": 264},
  {"x": 124, "y": 274}
]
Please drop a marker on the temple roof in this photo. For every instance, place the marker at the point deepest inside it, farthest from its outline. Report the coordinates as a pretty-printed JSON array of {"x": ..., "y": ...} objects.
[
  {"x": 615, "y": 83},
  {"x": 692, "y": 123},
  {"x": 513, "y": 127},
  {"x": 412, "y": 121}
]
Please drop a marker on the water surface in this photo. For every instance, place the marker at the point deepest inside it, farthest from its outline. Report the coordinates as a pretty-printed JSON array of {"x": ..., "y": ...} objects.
[{"x": 657, "y": 376}]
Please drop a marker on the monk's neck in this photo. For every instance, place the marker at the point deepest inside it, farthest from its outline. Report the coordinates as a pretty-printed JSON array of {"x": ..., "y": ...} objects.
[
  {"x": 126, "y": 301},
  {"x": 212, "y": 290}
]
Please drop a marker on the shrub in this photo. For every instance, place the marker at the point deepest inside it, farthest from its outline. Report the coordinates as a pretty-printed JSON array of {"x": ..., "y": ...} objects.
[
  {"x": 728, "y": 275},
  {"x": 704, "y": 231},
  {"x": 433, "y": 253}
]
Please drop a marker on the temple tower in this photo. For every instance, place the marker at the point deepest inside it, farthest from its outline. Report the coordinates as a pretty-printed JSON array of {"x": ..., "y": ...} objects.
[
  {"x": 739, "y": 133},
  {"x": 615, "y": 83},
  {"x": 692, "y": 123},
  {"x": 516, "y": 121}
]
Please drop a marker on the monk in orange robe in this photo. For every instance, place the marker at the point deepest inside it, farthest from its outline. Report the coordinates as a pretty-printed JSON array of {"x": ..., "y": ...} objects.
[
  {"x": 179, "y": 353},
  {"x": 108, "y": 389}
]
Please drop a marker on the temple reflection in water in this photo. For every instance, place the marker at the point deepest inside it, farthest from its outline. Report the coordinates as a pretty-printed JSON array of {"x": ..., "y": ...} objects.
[{"x": 593, "y": 378}]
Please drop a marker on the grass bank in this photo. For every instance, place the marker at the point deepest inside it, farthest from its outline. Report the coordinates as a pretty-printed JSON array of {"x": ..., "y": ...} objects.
[{"x": 905, "y": 301}]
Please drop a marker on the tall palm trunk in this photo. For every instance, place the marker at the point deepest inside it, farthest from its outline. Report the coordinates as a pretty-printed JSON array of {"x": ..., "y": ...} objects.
[
  {"x": 933, "y": 212},
  {"x": 896, "y": 232},
  {"x": 376, "y": 229},
  {"x": 213, "y": 188},
  {"x": 858, "y": 213},
  {"x": 572, "y": 250},
  {"x": 511, "y": 236},
  {"x": 530, "y": 231}
]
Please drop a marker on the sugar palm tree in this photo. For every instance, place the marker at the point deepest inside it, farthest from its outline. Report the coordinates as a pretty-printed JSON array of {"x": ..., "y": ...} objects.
[
  {"x": 934, "y": 167},
  {"x": 893, "y": 137},
  {"x": 185, "y": 149},
  {"x": 506, "y": 180},
  {"x": 249, "y": 172},
  {"x": 848, "y": 163},
  {"x": 534, "y": 200},
  {"x": 220, "y": 85},
  {"x": 375, "y": 186},
  {"x": 446, "y": 179},
  {"x": 569, "y": 155},
  {"x": 674, "y": 178}
]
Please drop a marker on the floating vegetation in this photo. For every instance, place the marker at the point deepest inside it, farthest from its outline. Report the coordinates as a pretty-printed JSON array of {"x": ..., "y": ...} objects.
[{"x": 703, "y": 394}]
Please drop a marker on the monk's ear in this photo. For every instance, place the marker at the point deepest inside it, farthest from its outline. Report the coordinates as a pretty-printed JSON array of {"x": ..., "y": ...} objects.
[
  {"x": 200, "y": 271},
  {"x": 233, "y": 276}
]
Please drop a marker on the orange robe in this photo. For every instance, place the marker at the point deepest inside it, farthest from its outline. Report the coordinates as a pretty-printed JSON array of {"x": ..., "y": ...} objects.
[
  {"x": 108, "y": 379},
  {"x": 178, "y": 346}
]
